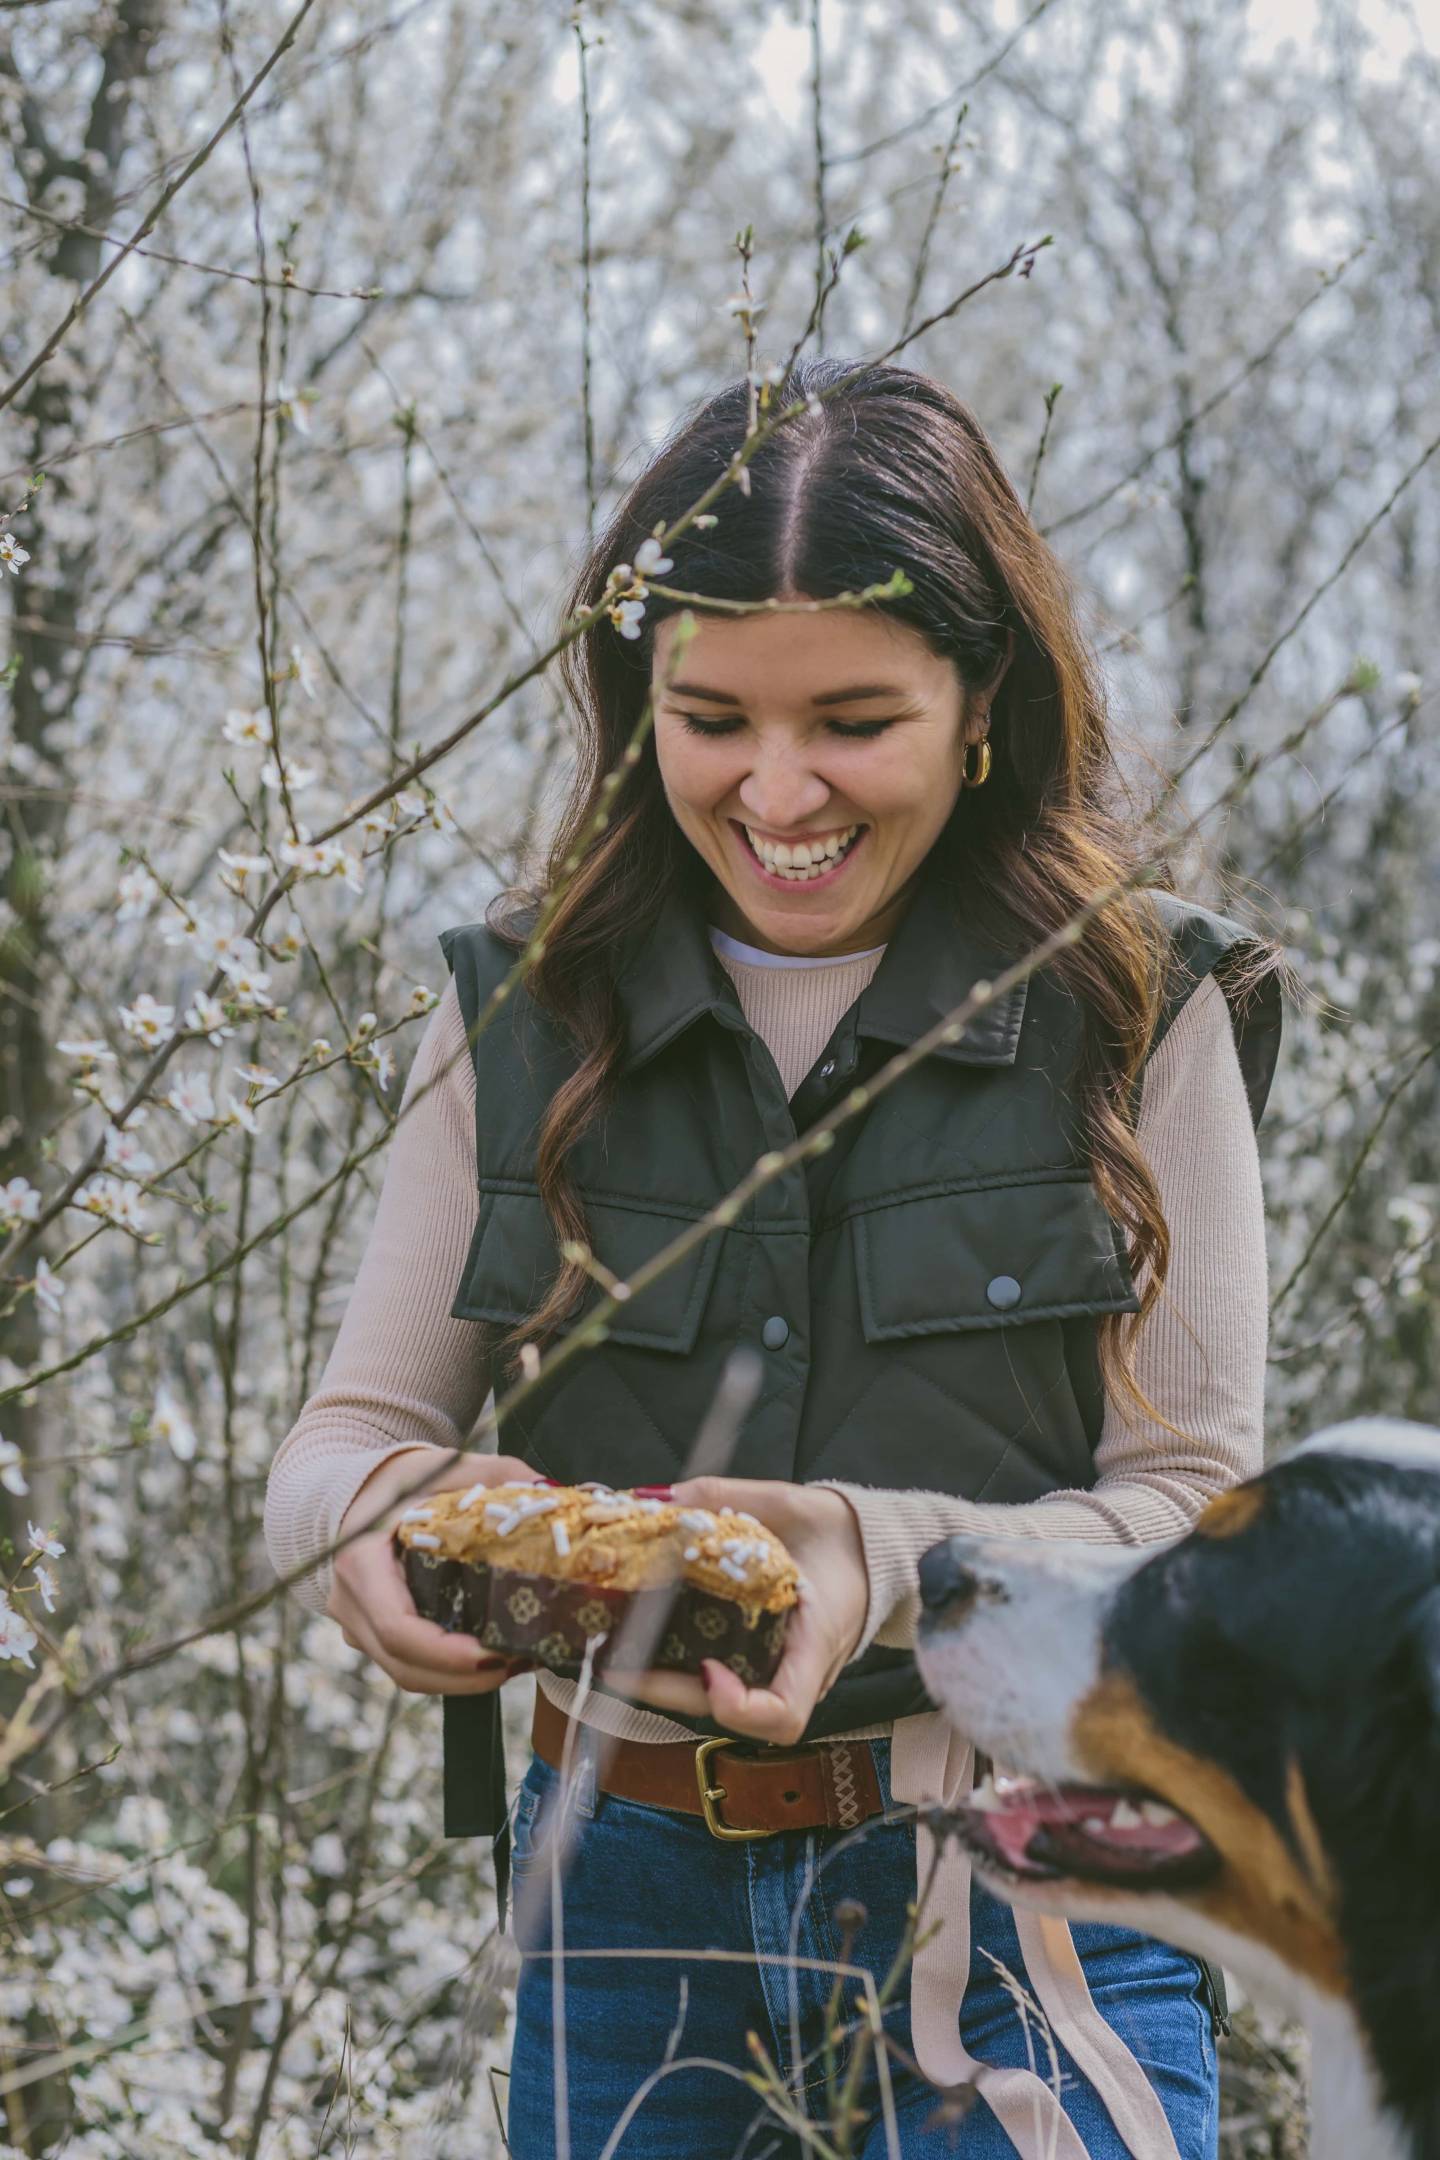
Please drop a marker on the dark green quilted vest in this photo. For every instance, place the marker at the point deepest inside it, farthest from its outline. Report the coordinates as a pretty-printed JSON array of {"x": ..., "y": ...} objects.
[{"x": 924, "y": 1294}]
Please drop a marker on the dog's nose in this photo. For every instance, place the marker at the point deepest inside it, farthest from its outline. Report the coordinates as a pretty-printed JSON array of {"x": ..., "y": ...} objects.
[{"x": 946, "y": 1576}]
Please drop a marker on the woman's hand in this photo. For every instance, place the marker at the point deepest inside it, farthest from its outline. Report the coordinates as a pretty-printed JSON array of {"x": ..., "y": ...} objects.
[
  {"x": 820, "y": 1530},
  {"x": 371, "y": 1599}
]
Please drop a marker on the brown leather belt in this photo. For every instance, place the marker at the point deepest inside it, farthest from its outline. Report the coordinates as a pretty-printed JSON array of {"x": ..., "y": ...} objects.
[{"x": 823, "y": 1784}]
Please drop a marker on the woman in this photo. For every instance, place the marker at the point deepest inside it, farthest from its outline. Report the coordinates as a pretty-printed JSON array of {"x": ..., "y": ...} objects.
[{"x": 943, "y": 1298}]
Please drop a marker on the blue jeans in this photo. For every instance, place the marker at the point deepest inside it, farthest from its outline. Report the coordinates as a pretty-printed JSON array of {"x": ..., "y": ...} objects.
[{"x": 644, "y": 1878}]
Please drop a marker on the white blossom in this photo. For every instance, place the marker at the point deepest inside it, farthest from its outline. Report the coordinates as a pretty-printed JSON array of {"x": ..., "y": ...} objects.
[
  {"x": 93, "y": 1053},
  {"x": 146, "y": 1020},
  {"x": 291, "y": 403},
  {"x": 626, "y": 616},
  {"x": 187, "y": 929},
  {"x": 233, "y": 952},
  {"x": 251, "y": 988},
  {"x": 237, "y": 870},
  {"x": 116, "y": 1202},
  {"x": 136, "y": 892},
  {"x": 12, "y": 1477},
  {"x": 49, "y": 1289},
  {"x": 301, "y": 664},
  {"x": 124, "y": 1150},
  {"x": 422, "y": 999},
  {"x": 41, "y": 1543},
  {"x": 207, "y": 1015},
  {"x": 17, "y": 1637},
  {"x": 256, "y": 1076},
  {"x": 19, "y": 1202},
  {"x": 321, "y": 859},
  {"x": 650, "y": 562},
  {"x": 12, "y": 555},
  {"x": 297, "y": 776},
  {"x": 169, "y": 1422},
  {"x": 248, "y": 727},
  {"x": 189, "y": 1096}
]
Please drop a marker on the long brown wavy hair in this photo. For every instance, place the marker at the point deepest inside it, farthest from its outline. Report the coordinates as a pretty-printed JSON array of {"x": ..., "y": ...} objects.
[{"x": 892, "y": 471}]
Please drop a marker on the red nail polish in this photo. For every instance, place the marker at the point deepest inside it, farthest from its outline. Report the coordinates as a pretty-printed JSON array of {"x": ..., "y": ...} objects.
[{"x": 653, "y": 1492}]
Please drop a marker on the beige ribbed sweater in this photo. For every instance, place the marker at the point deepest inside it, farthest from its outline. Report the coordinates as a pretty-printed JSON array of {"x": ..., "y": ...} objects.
[{"x": 403, "y": 1373}]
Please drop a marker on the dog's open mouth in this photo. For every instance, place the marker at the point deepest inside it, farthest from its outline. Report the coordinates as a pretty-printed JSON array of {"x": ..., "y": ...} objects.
[{"x": 1034, "y": 1832}]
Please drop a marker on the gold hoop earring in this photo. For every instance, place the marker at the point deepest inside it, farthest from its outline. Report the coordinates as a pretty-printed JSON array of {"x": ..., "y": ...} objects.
[{"x": 983, "y": 773}]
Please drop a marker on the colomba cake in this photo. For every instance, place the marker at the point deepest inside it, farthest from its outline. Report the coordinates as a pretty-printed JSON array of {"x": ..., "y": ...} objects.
[{"x": 536, "y": 1569}]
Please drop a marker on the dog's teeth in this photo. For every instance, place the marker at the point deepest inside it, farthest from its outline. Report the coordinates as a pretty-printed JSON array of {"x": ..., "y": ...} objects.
[
  {"x": 1157, "y": 1814},
  {"x": 1094, "y": 1822},
  {"x": 1125, "y": 1817},
  {"x": 986, "y": 1798}
]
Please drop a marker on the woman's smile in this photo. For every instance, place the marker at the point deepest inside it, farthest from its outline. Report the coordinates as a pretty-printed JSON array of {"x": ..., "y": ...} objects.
[{"x": 827, "y": 857}]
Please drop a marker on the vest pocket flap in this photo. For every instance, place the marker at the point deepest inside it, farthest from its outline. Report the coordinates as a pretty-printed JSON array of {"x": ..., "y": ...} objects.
[
  {"x": 994, "y": 1257},
  {"x": 514, "y": 1258}
]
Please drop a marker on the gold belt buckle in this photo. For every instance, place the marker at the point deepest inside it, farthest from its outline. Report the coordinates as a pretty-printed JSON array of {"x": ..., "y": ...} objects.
[{"x": 709, "y": 1793}]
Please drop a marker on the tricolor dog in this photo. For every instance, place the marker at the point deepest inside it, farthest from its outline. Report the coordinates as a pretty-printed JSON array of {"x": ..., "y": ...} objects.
[{"x": 1233, "y": 1741}]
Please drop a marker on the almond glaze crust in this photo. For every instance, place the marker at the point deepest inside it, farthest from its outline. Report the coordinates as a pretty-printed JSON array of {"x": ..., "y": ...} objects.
[{"x": 617, "y": 1540}]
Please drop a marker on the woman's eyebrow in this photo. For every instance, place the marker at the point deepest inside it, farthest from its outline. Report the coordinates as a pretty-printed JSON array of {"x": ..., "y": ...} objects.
[{"x": 826, "y": 697}]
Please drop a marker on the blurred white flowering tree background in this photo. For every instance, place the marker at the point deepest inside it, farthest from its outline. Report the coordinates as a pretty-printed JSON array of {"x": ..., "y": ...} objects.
[{"x": 414, "y": 284}]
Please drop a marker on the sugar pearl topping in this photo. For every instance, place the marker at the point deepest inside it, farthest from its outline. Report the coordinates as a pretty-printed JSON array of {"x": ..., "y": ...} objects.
[
  {"x": 598, "y": 1533},
  {"x": 503, "y": 1516}
]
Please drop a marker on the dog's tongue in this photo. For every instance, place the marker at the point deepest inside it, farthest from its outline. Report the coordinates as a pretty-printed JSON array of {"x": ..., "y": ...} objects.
[{"x": 1080, "y": 1830}]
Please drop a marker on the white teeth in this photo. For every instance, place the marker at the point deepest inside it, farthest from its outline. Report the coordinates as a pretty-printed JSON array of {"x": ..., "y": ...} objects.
[
  {"x": 802, "y": 861},
  {"x": 1157, "y": 1814},
  {"x": 986, "y": 1799},
  {"x": 1125, "y": 1817}
]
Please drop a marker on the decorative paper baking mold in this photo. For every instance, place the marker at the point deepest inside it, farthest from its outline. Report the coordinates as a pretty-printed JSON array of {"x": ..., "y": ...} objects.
[{"x": 549, "y": 1619}]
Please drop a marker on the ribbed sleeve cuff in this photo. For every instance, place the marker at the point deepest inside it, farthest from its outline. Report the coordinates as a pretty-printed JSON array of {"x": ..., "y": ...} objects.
[{"x": 897, "y": 1527}]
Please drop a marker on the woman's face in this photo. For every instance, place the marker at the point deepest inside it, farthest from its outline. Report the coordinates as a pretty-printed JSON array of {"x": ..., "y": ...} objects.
[{"x": 797, "y": 729}]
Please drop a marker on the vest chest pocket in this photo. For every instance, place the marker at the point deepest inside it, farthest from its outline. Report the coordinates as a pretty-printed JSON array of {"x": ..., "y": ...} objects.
[
  {"x": 514, "y": 1257},
  {"x": 994, "y": 1256}
]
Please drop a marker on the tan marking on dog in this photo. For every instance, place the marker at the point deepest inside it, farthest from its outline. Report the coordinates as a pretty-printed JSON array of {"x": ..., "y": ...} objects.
[
  {"x": 1231, "y": 1512},
  {"x": 1307, "y": 1832},
  {"x": 1259, "y": 1891}
]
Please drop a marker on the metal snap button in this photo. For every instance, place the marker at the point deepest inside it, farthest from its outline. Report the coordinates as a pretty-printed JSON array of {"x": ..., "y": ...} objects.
[
  {"x": 827, "y": 1068},
  {"x": 1003, "y": 1291},
  {"x": 775, "y": 1333}
]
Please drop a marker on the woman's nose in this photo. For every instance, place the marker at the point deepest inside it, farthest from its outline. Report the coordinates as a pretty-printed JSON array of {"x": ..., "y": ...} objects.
[{"x": 783, "y": 802}]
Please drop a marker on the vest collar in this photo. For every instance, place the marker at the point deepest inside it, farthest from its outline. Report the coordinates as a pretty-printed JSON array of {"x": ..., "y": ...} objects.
[{"x": 928, "y": 967}]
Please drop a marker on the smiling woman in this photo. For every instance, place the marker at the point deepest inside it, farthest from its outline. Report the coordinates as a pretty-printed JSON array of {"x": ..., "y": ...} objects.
[
  {"x": 814, "y": 827},
  {"x": 843, "y": 819}
]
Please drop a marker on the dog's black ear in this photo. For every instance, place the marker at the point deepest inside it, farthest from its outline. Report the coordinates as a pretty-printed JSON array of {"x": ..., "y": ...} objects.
[{"x": 1425, "y": 1647}]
